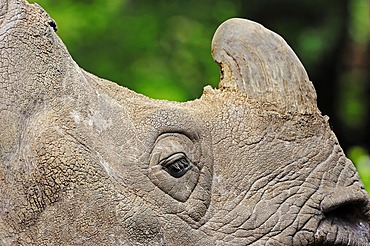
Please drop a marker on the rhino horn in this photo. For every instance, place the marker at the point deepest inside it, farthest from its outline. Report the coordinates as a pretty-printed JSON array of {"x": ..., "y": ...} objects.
[{"x": 259, "y": 65}]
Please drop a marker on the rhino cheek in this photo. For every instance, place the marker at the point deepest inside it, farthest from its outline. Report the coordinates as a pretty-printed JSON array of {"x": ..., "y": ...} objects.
[{"x": 260, "y": 195}]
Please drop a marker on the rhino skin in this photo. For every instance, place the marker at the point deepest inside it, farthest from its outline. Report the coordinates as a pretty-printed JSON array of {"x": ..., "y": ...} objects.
[{"x": 84, "y": 161}]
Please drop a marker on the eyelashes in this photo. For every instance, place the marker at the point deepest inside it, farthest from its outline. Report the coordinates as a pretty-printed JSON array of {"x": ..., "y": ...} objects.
[{"x": 177, "y": 164}]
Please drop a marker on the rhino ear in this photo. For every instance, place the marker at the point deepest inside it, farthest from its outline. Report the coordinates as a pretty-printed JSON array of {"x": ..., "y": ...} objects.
[{"x": 258, "y": 64}]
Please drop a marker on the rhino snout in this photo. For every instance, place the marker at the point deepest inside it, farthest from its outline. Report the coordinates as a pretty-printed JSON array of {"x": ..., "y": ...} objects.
[{"x": 345, "y": 219}]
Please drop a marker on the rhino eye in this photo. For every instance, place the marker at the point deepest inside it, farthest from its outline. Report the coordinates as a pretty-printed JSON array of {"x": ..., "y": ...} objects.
[
  {"x": 177, "y": 165},
  {"x": 174, "y": 165}
]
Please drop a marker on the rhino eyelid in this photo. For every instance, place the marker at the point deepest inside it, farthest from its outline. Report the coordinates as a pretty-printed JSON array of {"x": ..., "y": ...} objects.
[{"x": 177, "y": 164}]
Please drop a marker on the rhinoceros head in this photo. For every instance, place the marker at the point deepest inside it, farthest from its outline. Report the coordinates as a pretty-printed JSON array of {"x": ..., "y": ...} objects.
[{"x": 84, "y": 161}]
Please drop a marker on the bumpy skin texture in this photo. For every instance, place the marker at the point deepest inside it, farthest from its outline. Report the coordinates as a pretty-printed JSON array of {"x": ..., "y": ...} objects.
[{"x": 86, "y": 162}]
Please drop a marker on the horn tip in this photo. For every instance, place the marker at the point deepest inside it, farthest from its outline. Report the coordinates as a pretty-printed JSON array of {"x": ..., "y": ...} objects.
[{"x": 258, "y": 64}]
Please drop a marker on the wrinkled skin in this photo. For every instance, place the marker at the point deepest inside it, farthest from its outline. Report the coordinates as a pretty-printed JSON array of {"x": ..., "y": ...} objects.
[{"x": 86, "y": 162}]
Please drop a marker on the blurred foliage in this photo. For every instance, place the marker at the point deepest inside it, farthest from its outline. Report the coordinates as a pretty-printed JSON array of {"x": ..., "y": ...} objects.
[
  {"x": 162, "y": 49},
  {"x": 353, "y": 104},
  {"x": 159, "y": 48},
  {"x": 361, "y": 159}
]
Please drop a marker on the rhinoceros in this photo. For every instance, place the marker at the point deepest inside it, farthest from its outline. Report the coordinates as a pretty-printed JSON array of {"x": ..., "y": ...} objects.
[{"x": 84, "y": 161}]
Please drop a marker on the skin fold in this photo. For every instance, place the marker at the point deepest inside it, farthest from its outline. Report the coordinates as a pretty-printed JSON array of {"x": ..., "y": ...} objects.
[{"x": 84, "y": 161}]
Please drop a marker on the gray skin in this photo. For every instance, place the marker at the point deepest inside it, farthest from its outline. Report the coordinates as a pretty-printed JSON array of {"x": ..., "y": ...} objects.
[{"x": 84, "y": 161}]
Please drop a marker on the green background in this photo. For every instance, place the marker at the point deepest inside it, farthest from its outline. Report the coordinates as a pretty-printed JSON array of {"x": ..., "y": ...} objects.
[{"x": 162, "y": 49}]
